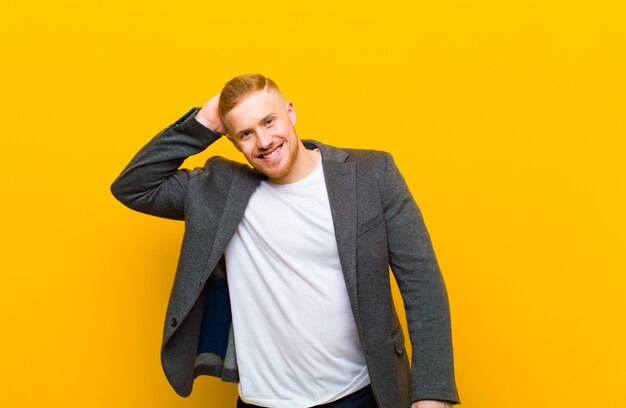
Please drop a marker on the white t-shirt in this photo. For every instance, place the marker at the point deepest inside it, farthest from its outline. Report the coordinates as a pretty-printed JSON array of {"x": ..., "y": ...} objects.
[{"x": 297, "y": 343}]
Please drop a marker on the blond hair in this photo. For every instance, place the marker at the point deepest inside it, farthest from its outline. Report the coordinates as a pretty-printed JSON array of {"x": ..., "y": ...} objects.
[{"x": 239, "y": 87}]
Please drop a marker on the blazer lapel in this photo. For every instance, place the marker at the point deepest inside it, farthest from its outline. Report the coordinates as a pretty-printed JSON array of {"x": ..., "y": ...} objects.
[
  {"x": 242, "y": 188},
  {"x": 340, "y": 178}
]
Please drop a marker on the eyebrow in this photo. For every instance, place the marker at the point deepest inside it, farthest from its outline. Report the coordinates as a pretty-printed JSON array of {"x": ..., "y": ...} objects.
[{"x": 266, "y": 117}]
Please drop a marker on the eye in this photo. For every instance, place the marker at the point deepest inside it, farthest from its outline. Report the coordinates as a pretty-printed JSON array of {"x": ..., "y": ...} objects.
[{"x": 270, "y": 121}]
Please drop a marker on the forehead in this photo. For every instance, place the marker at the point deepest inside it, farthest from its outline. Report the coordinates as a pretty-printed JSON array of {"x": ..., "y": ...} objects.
[{"x": 253, "y": 108}]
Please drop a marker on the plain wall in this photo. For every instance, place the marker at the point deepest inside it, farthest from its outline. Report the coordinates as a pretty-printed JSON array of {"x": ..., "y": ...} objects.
[{"x": 505, "y": 117}]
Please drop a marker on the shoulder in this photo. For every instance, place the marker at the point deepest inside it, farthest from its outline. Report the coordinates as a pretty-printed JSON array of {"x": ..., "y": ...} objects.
[
  {"x": 366, "y": 156},
  {"x": 224, "y": 165},
  {"x": 220, "y": 168},
  {"x": 212, "y": 183},
  {"x": 348, "y": 154},
  {"x": 366, "y": 160},
  {"x": 375, "y": 167}
]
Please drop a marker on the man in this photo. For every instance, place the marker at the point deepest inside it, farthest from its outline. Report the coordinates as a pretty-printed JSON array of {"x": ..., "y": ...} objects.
[{"x": 295, "y": 251}]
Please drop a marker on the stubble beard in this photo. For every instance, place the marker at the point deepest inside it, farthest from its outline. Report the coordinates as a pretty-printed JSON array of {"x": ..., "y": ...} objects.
[{"x": 283, "y": 169}]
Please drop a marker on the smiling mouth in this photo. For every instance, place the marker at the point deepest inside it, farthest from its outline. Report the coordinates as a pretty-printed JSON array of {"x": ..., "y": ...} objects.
[{"x": 271, "y": 154}]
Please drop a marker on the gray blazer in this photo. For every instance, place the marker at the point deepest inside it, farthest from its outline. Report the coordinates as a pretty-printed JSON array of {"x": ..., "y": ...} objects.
[{"x": 377, "y": 225}]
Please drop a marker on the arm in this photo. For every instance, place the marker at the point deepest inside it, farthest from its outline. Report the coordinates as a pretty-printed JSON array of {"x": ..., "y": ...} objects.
[
  {"x": 416, "y": 270},
  {"x": 152, "y": 182}
]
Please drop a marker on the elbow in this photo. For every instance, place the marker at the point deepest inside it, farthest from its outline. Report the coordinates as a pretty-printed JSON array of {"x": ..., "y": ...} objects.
[{"x": 119, "y": 192}]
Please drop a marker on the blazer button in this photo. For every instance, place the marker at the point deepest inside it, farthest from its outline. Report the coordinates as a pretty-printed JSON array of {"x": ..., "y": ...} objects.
[{"x": 173, "y": 322}]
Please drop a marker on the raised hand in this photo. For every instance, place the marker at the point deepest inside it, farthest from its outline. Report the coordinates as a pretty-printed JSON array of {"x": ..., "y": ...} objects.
[{"x": 209, "y": 116}]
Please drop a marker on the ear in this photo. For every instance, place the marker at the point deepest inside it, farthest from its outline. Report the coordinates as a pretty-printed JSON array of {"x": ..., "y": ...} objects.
[
  {"x": 233, "y": 142},
  {"x": 291, "y": 112}
]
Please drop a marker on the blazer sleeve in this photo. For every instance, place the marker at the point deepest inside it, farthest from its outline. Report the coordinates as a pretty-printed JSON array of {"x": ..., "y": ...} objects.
[
  {"x": 415, "y": 268},
  {"x": 152, "y": 182}
]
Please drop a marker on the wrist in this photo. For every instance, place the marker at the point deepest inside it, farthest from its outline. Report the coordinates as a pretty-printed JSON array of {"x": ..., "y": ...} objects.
[
  {"x": 431, "y": 404},
  {"x": 204, "y": 121}
]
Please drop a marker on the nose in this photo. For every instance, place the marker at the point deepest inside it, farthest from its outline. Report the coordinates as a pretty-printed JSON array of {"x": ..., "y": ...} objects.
[{"x": 263, "y": 140}]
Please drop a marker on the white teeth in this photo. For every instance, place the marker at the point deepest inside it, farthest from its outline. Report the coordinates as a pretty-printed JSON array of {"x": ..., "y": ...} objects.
[{"x": 274, "y": 153}]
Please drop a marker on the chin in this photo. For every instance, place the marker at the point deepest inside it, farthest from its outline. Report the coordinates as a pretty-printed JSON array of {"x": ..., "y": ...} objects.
[{"x": 274, "y": 174}]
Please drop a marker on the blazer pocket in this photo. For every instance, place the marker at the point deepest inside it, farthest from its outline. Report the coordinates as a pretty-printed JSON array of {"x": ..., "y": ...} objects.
[
  {"x": 370, "y": 224},
  {"x": 398, "y": 340}
]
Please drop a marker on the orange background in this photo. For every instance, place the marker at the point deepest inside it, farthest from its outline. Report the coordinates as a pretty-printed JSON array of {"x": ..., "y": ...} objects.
[{"x": 506, "y": 118}]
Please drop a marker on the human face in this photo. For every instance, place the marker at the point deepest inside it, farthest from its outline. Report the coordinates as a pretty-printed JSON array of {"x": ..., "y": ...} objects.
[{"x": 261, "y": 126}]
